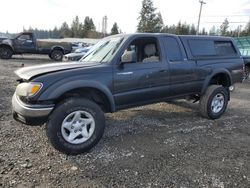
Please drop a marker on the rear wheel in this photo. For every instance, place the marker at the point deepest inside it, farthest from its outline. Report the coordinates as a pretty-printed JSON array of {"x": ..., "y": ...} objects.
[
  {"x": 56, "y": 55},
  {"x": 246, "y": 72},
  {"x": 5, "y": 52},
  {"x": 214, "y": 102},
  {"x": 75, "y": 126}
]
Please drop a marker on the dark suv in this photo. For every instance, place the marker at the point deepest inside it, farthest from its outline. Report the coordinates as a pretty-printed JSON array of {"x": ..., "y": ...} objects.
[{"x": 125, "y": 71}]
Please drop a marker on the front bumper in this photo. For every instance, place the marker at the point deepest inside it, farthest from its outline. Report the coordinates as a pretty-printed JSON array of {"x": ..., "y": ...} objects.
[{"x": 30, "y": 114}]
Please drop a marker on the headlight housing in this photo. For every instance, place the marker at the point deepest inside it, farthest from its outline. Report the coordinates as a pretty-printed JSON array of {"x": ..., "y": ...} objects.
[{"x": 28, "y": 89}]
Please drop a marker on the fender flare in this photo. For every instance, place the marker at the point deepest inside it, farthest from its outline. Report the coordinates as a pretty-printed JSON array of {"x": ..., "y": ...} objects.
[
  {"x": 7, "y": 45},
  {"x": 56, "y": 90},
  {"x": 214, "y": 73},
  {"x": 57, "y": 47}
]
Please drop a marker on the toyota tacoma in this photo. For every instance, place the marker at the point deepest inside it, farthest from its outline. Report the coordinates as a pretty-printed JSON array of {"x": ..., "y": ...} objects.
[{"x": 125, "y": 71}]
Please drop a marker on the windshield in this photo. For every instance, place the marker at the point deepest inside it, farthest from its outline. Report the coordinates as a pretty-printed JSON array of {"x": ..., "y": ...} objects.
[{"x": 103, "y": 51}]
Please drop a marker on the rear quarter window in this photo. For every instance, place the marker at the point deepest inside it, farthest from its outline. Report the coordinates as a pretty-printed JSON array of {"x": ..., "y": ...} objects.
[
  {"x": 215, "y": 48},
  {"x": 224, "y": 48}
]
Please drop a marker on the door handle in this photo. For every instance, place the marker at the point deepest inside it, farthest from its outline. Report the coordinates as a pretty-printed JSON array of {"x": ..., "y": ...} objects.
[
  {"x": 124, "y": 73},
  {"x": 163, "y": 70}
]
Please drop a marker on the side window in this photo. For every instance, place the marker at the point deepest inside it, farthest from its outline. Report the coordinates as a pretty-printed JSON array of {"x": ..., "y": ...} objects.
[
  {"x": 173, "y": 49},
  {"x": 202, "y": 47},
  {"x": 212, "y": 48},
  {"x": 224, "y": 48},
  {"x": 24, "y": 37},
  {"x": 146, "y": 50}
]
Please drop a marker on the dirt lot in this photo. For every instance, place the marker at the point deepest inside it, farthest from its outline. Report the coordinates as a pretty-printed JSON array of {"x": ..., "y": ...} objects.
[{"x": 161, "y": 145}]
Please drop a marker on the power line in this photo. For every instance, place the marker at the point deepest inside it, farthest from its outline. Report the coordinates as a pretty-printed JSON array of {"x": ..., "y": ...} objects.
[
  {"x": 221, "y": 22},
  {"x": 235, "y": 15}
]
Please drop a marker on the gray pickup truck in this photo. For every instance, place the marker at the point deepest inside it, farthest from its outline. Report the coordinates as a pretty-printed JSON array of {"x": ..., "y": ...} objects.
[
  {"x": 26, "y": 43},
  {"x": 125, "y": 71}
]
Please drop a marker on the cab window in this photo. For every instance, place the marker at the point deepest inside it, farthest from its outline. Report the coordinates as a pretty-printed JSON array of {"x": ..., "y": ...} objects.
[
  {"x": 146, "y": 50},
  {"x": 173, "y": 50},
  {"x": 24, "y": 37}
]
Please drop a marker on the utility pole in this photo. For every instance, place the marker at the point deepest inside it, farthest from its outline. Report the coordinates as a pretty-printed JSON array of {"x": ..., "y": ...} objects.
[
  {"x": 198, "y": 25},
  {"x": 104, "y": 25},
  {"x": 239, "y": 30}
]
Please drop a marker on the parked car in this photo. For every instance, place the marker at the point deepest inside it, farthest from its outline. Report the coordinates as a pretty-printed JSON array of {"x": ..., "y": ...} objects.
[
  {"x": 77, "y": 54},
  {"x": 125, "y": 71},
  {"x": 27, "y": 43}
]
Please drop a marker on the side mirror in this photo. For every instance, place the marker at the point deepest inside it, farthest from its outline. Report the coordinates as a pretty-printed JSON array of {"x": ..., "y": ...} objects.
[{"x": 128, "y": 57}]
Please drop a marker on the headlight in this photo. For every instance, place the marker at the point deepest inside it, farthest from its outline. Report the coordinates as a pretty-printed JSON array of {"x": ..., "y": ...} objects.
[{"x": 28, "y": 89}]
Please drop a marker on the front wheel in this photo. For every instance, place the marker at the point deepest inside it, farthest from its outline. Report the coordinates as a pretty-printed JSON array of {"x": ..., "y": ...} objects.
[
  {"x": 56, "y": 55},
  {"x": 214, "y": 102},
  {"x": 5, "y": 52},
  {"x": 75, "y": 126}
]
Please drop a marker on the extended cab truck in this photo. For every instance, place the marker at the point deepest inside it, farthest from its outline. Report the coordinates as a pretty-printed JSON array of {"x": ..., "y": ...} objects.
[
  {"x": 125, "y": 71},
  {"x": 26, "y": 43}
]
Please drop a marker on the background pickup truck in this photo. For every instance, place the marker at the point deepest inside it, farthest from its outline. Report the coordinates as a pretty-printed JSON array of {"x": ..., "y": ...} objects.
[
  {"x": 125, "y": 71},
  {"x": 27, "y": 43}
]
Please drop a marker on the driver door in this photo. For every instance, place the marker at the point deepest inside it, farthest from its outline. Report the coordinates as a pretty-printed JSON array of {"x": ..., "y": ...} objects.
[
  {"x": 143, "y": 80},
  {"x": 130, "y": 79},
  {"x": 24, "y": 43}
]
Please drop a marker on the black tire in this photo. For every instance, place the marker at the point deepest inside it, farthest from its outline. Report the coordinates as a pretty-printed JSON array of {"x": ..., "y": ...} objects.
[
  {"x": 62, "y": 111},
  {"x": 246, "y": 72},
  {"x": 206, "y": 101},
  {"x": 5, "y": 52},
  {"x": 56, "y": 55}
]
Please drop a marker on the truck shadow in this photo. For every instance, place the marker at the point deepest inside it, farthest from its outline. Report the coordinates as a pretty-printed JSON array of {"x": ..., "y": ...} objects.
[{"x": 160, "y": 115}]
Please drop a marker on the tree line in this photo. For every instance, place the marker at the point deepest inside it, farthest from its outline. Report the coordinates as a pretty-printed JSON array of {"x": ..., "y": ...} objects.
[{"x": 76, "y": 29}]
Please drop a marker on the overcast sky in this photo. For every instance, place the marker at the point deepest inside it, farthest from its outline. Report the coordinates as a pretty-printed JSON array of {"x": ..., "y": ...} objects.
[{"x": 46, "y": 14}]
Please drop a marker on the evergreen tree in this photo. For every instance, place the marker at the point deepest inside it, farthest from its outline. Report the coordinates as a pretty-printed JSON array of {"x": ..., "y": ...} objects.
[
  {"x": 65, "y": 30},
  {"x": 89, "y": 24},
  {"x": 224, "y": 28},
  {"x": 76, "y": 28},
  {"x": 159, "y": 23},
  {"x": 149, "y": 21},
  {"x": 89, "y": 28},
  {"x": 204, "y": 31},
  {"x": 212, "y": 31},
  {"x": 182, "y": 29},
  {"x": 115, "y": 29},
  {"x": 246, "y": 31},
  {"x": 192, "y": 30}
]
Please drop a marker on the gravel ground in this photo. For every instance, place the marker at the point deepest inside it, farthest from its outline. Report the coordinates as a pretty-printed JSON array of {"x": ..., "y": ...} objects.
[{"x": 161, "y": 145}]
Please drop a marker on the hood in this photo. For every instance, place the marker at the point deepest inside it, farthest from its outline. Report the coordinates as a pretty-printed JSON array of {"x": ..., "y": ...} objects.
[
  {"x": 6, "y": 41},
  {"x": 75, "y": 54},
  {"x": 1, "y": 39},
  {"x": 27, "y": 73}
]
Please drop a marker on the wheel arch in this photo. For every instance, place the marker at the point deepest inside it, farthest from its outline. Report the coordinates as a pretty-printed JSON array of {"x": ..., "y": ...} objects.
[
  {"x": 8, "y": 46},
  {"x": 88, "y": 89},
  {"x": 57, "y": 48},
  {"x": 218, "y": 77}
]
